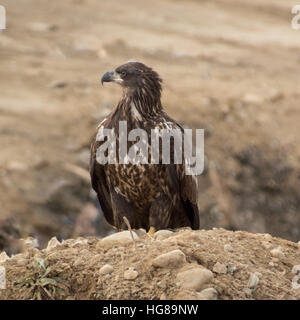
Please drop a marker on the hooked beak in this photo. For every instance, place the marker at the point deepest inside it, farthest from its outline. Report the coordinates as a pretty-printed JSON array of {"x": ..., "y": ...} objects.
[{"x": 111, "y": 76}]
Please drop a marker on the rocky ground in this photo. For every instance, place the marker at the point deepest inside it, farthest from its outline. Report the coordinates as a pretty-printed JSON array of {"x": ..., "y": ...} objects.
[{"x": 185, "y": 264}]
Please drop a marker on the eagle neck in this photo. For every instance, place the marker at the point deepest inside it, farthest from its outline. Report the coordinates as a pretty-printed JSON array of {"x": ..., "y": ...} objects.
[{"x": 141, "y": 103}]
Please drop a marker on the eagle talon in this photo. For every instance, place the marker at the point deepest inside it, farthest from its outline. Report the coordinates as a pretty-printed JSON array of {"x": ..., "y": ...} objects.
[{"x": 151, "y": 232}]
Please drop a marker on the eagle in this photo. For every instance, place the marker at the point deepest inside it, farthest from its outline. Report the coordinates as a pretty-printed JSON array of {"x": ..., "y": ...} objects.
[{"x": 151, "y": 196}]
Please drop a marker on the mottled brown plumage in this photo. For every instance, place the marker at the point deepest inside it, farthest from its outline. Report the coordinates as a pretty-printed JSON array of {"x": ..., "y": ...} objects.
[{"x": 149, "y": 195}]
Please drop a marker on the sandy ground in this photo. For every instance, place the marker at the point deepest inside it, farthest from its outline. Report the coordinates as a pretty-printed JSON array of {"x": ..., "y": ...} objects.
[
  {"x": 229, "y": 66},
  {"x": 196, "y": 265}
]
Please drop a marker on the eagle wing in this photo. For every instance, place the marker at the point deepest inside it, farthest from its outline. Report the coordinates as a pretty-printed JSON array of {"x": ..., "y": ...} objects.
[
  {"x": 99, "y": 183},
  {"x": 186, "y": 187}
]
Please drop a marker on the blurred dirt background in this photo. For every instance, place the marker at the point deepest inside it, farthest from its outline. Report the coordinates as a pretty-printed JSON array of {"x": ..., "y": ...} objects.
[{"x": 229, "y": 66}]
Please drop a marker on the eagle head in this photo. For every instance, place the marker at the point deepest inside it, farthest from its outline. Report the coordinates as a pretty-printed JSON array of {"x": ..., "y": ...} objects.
[{"x": 135, "y": 76}]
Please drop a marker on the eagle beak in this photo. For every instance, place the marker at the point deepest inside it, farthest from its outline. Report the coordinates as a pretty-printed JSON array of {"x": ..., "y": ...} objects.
[{"x": 111, "y": 76}]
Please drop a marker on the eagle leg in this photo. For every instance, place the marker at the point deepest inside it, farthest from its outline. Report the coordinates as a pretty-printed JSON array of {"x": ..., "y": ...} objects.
[
  {"x": 151, "y": 232},
  {"x": 121, "y": 207},
  {"x": 160, "y": 213}
]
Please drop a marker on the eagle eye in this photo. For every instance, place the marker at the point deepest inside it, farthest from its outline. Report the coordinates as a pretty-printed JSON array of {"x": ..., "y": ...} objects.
[{"x": 123, "y": 74}]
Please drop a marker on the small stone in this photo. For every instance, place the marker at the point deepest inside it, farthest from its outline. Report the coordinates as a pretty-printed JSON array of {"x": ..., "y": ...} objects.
[
  {"x": 3, "y": 257},
  {"x": 162, "y": 234},
  {"x": 141, "y": 232},
  {"x": 277, "y": 253},
  {"x": 106, "y": 269},
  {"x": 42, "y": 27},
  {"x": 251, "y": 98},
  {"x": 248, "y": 292},
  {"x": 123, "y": 237},
  {"x": 53, "y": 242},
  {"x": 228, "y": 247},
  {"x": 79, "y": 262},
  {"x": 17, "y": 166},
  {"x": 231, "y": 269},
  {"x": 253, "y": 281},
  {"x": 220, "y": 268},
  {"x": 208, "y": 294},
  {"x": 163, "y": 297},
  {"x": 29, "y": 242},
  {"x": 267, "y": 245},
  {"x": 130, "y": 274},
  {"x": 170, "y": 259},
  {"x": 194, "y": 278}
]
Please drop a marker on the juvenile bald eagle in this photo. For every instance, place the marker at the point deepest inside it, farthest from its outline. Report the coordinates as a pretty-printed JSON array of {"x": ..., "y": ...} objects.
[{"x": 150, "y": 196}]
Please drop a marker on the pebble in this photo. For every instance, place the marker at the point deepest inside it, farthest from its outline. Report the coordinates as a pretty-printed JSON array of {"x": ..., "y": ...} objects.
[
  {"x": 79, "y": 262},
  {"x": 29, "y": 242},
  {"x": 130, "y": 274},
  {"x": 42, "y": 27},
  {"x": 251, "y": 98},
  {"x": 267, "y": 245},
  {"x": 248, "y": 292},
  {"x": 231, "y": 269},
  {"x": 123, "y": 237},
  {"x": 53, "y": 242},
  {"x": 253, "y": 281},
  {"x": 163, "y": 297},
  {"x": 106, "y": 269},
  {"x": 208, "y": 294},
  {"x": 3, "y": 257},
  {"x": 170, "y": 259},
  {"x": 228, "y": 247},
  {"x": 220, "y": 268},
  {"x": 277, "y": 253},
  {"x": 162, "y": 234},
  {"x": 194, "y": 278}
]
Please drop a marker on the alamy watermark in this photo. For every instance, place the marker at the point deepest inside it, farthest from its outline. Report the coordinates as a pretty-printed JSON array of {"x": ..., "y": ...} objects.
[
  {"x": 296, "y": 19},
  {"x": 2, "y": 18},
  {"x": 138, "y": 152},
  {"x": 2, "y": 278}
]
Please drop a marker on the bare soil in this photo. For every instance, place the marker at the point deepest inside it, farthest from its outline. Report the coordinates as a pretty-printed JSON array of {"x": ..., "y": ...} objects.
[{"x": 72, "y": 269}]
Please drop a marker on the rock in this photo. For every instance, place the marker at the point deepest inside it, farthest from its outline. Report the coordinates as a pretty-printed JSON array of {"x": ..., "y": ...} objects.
[
  {"x": 123, "y": 237},
  {"x": 220, "y": 268},
  {"x": 277, "y": 253},
  {"x": 163, "y": 297},
  {"x": 29, "y": 242},
  {"x": 253, "y": 281},
  {"x": 79, "y": 262},
  {"x": 17, "y": 166},
  {"x": 130, "y": 274},
  {"x": 141, "y": 232},
  {"x": 53, "y": 242},
  {"x": 162, "y": 234},
  {"x": 251, "y": 98},
  {"x": 231, "y": 269},
  {"x": 194, "y": 278},
  {"x": 3, "y": 257},
  {"x": 228, "y": 247},
  {"x": 248, "y": 292},
  {"x": 208, "y": 294},
  {"x": 170, "y": 259},
  {"x": 106, "y": 269},
  {"x": 42, "y": 27},
  {"x": 267, "y": 245}
]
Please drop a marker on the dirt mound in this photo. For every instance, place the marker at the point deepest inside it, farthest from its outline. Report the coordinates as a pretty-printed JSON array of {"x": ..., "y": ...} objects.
[{"x": 185, "y": 264}]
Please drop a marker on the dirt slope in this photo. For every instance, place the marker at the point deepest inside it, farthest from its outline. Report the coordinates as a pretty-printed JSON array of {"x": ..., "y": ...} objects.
[{"x": 206, "y": 264}]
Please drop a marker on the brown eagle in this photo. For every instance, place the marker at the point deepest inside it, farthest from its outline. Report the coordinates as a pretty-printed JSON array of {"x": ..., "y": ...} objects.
[{"x": 150, "y": 196}]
